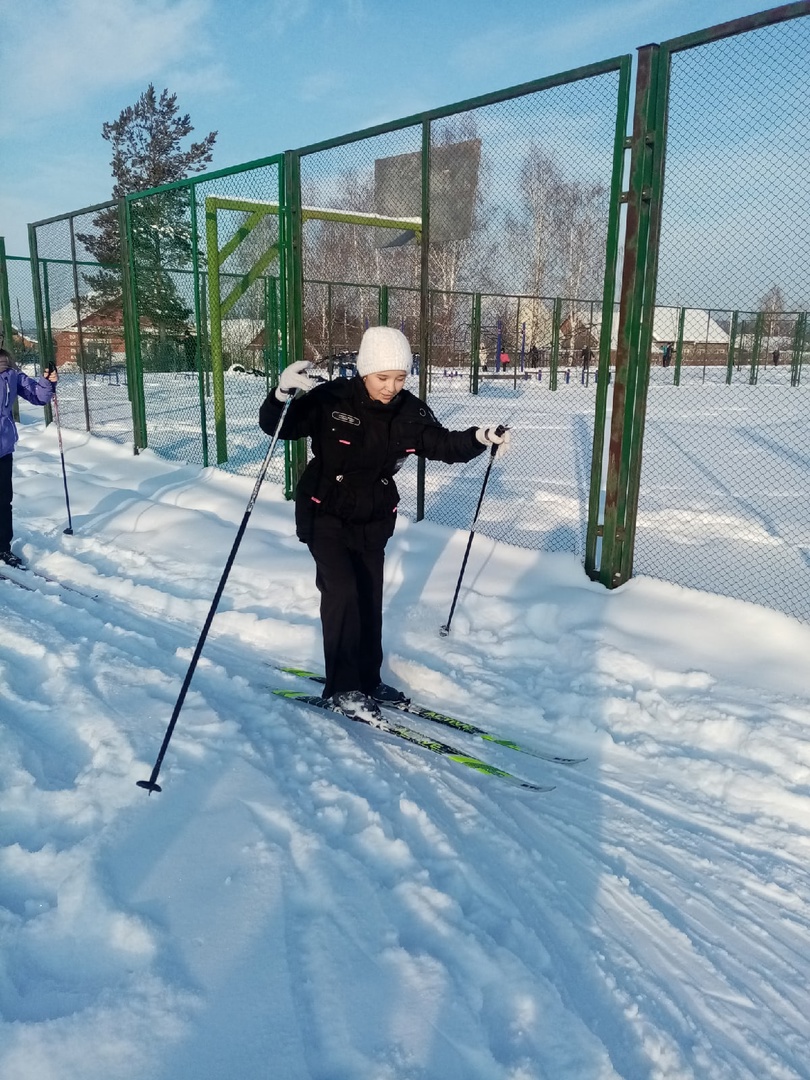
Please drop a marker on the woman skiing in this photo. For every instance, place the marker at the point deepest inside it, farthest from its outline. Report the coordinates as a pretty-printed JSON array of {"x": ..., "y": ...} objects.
[
  {"x": 14, "y": 383},
  {"x": 361, "y": 429}
]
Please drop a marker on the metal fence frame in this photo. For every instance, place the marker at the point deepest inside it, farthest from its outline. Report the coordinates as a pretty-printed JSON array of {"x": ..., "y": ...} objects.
[
  {"x": 636, "y": 199},
  {"x": 622, "y": 65},
  {"x": 639, "y": 284}
]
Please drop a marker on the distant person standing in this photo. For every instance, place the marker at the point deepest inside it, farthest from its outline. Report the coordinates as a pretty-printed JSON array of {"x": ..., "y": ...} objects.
[
  {"x": 14, "y": 384},
  {"x": 666, "y": 355},
  {"x": 775, "y": 357},
  {"x": 586, "y": 356}
]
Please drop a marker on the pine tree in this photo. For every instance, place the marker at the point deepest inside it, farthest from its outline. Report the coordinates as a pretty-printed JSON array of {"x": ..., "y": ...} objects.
[{"x": 147, "y": 153}]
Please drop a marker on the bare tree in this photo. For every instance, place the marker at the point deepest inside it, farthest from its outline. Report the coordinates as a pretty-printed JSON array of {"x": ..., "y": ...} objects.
[{"x": 556, "y": 237}]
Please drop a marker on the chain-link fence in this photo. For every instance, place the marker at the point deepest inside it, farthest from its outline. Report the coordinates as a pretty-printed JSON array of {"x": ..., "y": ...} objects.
[
  {"x": 78, "y": 311},
  {"x": 18, "y": 330},
  {"x": 725, "y": 484},
  {"x": 490, "y": 233},
  {"x": 208, "y": 311},
  {"x": 465, "y": 228}
]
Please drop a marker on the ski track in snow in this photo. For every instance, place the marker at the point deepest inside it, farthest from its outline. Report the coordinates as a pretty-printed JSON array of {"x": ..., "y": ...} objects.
[{"x": 312, "y": 894}]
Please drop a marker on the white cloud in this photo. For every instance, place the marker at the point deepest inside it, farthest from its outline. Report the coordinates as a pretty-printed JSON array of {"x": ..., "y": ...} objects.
[
  {"x": 280, "y": 15},
  {"x": 321, "y": 86},
  {"x": 59, "y": 54}
]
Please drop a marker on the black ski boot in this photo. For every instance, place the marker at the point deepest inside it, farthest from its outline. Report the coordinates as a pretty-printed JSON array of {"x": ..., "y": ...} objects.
[
  {"x": 10, "y": 559},
  {"x": 356, "y": 705},
  {"x": 389, "y": 695}
]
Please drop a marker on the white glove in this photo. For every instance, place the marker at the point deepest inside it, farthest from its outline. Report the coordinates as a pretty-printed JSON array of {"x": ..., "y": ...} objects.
[
  {"x": 294, "y": 377},
  {"x": 490, "y": 436}
]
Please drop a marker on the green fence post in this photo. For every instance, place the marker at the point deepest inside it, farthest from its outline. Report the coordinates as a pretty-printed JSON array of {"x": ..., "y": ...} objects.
[
  {"x": 554, "y": 361},
  {"x": 270, "y": 333},
  {"x": 47, "y": 344},
  {"x": 756, "y": 348},
  {"x": 679, "y": 347},
  {"x": 46, "y": 354},
  {"x": 49, "y": 355},
  {"x": 797, "y": 348},
  {"x": 595, "y": 508},
  {"x": 330, "y": 348},
  {"x": 215, "y": 341},
  {"x": 198, "y": 355},
  {"x": 516, "y": 346},
  {"x": 732, "y": 344},
  {"x": 5, "y": 301},
  {"x": 7, "y": 335},
  {"x": 293, "y": 281},
  {"x": 637, "y": 295},
  {"x": 77, "y": 303},
  {"x": 475, "y": 342},
  {"x": 36, "y": 285},
  {"x": 651, "y": 198},
  {"x": 706, "y": 342},
  {"x": 424, "y": 305},
  {"x": 132, "y": 333}
]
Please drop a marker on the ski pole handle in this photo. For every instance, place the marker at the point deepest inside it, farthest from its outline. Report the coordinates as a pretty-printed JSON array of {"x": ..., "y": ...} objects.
[{"x": 501, "y": 429}]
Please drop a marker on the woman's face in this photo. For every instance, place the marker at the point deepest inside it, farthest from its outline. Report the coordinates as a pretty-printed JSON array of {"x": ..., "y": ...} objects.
[{"x": 384, "y": 385}]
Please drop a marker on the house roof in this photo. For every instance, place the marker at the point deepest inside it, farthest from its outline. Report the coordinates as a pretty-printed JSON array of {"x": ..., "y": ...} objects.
[{"x": 698, "y": 326}]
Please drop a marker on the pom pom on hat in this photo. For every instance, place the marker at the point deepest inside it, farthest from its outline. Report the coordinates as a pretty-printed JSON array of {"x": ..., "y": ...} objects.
[{"x": 383, "y": 348}]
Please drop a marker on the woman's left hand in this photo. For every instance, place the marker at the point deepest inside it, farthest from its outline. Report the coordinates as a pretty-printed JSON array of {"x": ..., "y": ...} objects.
[{"x": 494, "y": 436}]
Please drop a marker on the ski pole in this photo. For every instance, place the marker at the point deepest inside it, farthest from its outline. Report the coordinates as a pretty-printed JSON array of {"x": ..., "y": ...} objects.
[
  {"x": 445, "y": 630},
  {"x": 151, "y": 784},
  {"x": 69, "y": 529}
]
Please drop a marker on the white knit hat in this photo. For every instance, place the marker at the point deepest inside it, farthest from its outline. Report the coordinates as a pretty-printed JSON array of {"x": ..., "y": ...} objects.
[{"x": 383, "y": 348}]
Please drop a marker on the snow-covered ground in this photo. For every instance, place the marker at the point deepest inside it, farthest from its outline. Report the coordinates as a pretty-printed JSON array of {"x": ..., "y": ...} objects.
[
  {"x": 724, "y": 499},
  {"x": 310, "y": 900}
]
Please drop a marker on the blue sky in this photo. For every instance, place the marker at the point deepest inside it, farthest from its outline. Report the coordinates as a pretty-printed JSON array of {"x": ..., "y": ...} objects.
[{"x": 269, "y": 75}]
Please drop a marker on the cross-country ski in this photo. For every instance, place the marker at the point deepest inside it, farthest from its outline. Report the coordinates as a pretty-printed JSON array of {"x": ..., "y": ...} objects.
[
  {"x": 450, "y": 721},
  {"x": 404, "y": 541},
  {"x": 416, "y": 738}
]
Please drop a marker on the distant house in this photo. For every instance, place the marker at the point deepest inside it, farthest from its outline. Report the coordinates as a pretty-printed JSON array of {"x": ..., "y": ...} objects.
[
  {"x": 702, "y": 335},
  {"x": 703, "y": 338},
  {"x": 103, "y": 343},
  {"x": 102, "y": 336},
  {"x": 243, "y": 340},
  {"x": 21, "y": 342}
]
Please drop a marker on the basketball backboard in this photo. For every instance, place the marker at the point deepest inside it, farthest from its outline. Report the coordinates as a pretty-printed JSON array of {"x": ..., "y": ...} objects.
[{"x": 453, "y": 184}]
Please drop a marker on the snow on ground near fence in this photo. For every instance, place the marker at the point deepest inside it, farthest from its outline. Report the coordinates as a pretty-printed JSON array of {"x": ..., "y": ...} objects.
[
  {"x": 307, "y": 899},
  {"x": 724, "y": 484}
]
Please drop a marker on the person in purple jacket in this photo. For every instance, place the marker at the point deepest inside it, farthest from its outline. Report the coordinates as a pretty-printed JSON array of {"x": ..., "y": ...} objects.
[{"x": 13, "y": 384}]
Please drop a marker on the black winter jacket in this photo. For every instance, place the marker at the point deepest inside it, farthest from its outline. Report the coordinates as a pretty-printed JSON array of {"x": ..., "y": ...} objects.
[{"x": 357, "y": 445}]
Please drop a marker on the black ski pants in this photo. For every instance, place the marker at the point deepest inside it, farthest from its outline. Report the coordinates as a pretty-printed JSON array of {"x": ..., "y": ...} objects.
[
  {"x": 6, "y": 493},
  {"x": 349, "y": 578}
]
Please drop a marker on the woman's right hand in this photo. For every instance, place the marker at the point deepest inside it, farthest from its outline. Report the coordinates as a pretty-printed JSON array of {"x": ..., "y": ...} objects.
[{"x": 294, "y": 377}]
